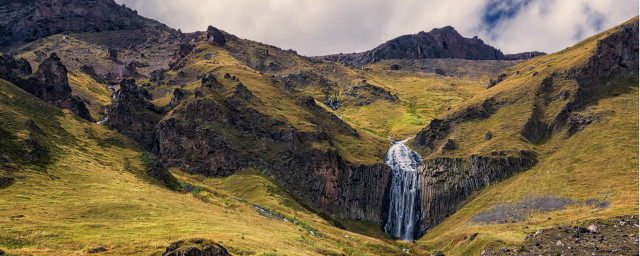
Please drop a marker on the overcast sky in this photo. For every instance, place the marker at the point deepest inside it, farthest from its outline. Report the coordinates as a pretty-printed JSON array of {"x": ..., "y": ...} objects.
[{"x": 320, "y": 27}]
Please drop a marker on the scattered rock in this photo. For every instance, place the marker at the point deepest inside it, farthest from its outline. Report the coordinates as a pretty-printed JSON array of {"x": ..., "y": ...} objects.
[
  {"x": 439, "y": 253},
  {"x": 394, "y": 67},
  {"x": 534, "y": 74},
  {"x": 452, "y": 84},
  {"x": 488, "y": 135},
  {"x": 473, "y": 236},
  {"x": 499, "y": 79},
  {"x": 559, "y": 243},
  {"x": 209, "y": 81},
  {"x": 593, "y": 229},
  {"x": 227, "y": 76},
  {"x": 97, "y": 250},
  {"x": 440, "y": 72},
  {"x": 536, "y": 244}
]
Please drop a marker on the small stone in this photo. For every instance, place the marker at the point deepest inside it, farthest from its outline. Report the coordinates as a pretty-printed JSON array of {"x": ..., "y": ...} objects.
[
  {"x": 505, "y": 250},
  {"x": 593, "y": 229},
  {"x": 622, "y": 223},
  {"x": 624, "y": 235},
  {"x": 559, "y": 243},
  {"x": 439, "y": 253},
  {"x": 536, "y": 244}
]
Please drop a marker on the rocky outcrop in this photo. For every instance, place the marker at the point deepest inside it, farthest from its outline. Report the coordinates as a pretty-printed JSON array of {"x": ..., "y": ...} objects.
[
  {"x": 180, "y": 53},
  {"x": 134, "y": 116},
  {"x": 50, "y": 83},
  {"x": 523, "y": 55},
  {"x": 363, "y": 93},
  {"x": 215, "y": 37},
  {"x": 11, "y": 69},
  {"x": 111, "y": 54},
  {"x": 446, "y": 182},
  {"x": 178, "y": 95},
  {"x": 26, "y": 21},
  {"x": 615, "y": 56},
  {"x": 195, "y": 247},
  {"x": 438, "y": 129}
]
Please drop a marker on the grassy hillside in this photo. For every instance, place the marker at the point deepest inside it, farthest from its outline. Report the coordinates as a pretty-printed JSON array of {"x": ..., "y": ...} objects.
[
  {"x": 89, "y": 189},
  {"x": 598, "y": 162}
]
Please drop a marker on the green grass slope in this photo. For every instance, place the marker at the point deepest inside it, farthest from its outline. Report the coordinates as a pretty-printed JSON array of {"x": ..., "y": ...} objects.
[
  {"x": 87, "y": 188},
  {"x": 598, "y": 162}
]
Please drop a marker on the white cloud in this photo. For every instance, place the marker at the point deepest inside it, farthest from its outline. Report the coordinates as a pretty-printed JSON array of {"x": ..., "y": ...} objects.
[{"x": 315, "y": 27}]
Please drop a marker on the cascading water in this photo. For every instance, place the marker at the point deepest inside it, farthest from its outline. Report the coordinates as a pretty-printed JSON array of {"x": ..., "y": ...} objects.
[
  {"x": 114, "y": 88},
  {"x": 405, "y": 207}
]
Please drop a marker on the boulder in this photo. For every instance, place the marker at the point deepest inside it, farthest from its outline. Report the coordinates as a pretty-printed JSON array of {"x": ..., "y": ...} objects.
[
  {"x": 215, "y": 37},
  {"x": 195, "y": 247},
  {"x": 394, "y": 67},
  {"x": 593, "y": 228}
]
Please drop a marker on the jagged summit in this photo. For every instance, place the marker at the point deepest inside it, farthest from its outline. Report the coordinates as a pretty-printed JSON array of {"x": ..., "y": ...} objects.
[
  {"x": 25, "y": 21},
  {"x": 438, "y": 43}
]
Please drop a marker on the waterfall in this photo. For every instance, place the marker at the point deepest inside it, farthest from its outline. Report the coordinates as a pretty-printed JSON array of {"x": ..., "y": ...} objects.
[
  {"x": 405, "y": 207},
  {"x": 114, "y": 88},
  {"x": 333, "y": 103}
]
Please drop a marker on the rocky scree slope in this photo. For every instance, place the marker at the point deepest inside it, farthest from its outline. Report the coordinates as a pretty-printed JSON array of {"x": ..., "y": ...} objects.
[{"x": 547, "y": 94}]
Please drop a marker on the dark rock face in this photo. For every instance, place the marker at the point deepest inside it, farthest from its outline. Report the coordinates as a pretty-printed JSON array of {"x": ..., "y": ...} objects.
[
  {"x": 215, "y": 37},
  {"x": 25, "y": 21},
  {"x": 523, "y": 55},
  {"x": 180, "y": 53},
  {"x": 50, "y": 83},
  {"x": 448, "y": 181},
  {"x": 134, "y": 116},
  {"x": 196, "y": 247}
]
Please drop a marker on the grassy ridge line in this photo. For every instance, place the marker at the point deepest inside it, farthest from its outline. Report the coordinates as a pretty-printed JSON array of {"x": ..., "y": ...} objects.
[{"x": 599, "y": 162}]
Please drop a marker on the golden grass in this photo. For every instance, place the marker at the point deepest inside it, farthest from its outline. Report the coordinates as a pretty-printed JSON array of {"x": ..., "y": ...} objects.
[{"x": 599, "y": 162}]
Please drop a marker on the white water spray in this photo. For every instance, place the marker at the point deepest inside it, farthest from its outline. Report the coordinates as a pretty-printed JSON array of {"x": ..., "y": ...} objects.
[{"x": 405, "y": 207}]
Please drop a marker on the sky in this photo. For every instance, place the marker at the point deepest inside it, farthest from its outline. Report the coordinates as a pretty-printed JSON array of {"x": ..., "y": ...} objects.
[{"x": 322, "y": 27}]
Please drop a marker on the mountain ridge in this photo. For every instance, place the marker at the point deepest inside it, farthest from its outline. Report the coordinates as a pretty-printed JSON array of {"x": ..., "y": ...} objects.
[{"x": 438, "y": 43}]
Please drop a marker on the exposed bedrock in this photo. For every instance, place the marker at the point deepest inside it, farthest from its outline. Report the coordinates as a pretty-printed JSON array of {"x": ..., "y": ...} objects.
[
  {"x": 615, "y": 56},
  {"x": 447, "y": 182}
]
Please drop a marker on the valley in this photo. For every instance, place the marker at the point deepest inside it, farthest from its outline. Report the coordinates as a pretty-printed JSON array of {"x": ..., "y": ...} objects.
[{"x": 128, "y": 137}]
